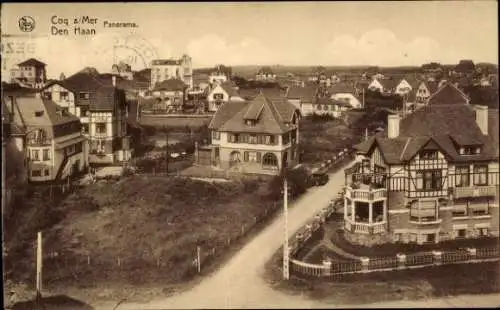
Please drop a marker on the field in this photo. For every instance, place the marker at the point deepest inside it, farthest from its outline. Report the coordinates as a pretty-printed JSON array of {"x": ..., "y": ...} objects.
[{"x": 140, "y": 231}]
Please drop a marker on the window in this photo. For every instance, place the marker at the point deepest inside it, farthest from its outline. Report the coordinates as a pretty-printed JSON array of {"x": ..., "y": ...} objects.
[
  {"x": 429, "y": 180},
  {"x": 462, "y": 176},
  {"x": 35, "y": 156},
  {"x": 84, "y": 111},
  {"x": 461, "y": 233},
  {"x": 428, "y": 155},
  {"x": 47, "y": 172},
  {"x": 459, "y": 209},
  {"x": 258, "y": 157},
  {"x": 215, "y": 135},
  {"x": 64, "y": 95},
  {"x": 85, "y": 96},
  {"x": 270, "y": 160},
  {"x": 100, "y": 128},
  {"x": 245, "y": 156},
  {"x": 36, "y": 173},
  {"x": 48, "y": 96},
  {"x": 218, "y": 96},
  {"x": 100, "y": 145},
  {"x": 216, "y": 152},
  {"x": 85, "y": 128},
  {"x": 46, "y": 154},
  {"x": 482, "y": 232},
  {"x": 469, "y": 150},
  {"x": 252, "y": 139},
  {"x": 269, "y": 140},
  {"x": 481, "y": 175},
  {"x": 423, "y": 211},
  {"x": 252, "y": 157}
]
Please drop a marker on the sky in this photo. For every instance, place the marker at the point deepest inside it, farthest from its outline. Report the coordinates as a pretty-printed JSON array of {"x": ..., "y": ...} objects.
[{"x": 254, "y": 33}]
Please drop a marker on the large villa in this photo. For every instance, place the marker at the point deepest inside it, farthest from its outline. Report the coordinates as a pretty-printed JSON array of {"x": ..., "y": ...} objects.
[{"x": 434, "y": 177}]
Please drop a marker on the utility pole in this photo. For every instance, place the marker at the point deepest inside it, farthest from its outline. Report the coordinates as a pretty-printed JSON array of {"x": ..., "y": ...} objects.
[
  {"x": 39, "y": 263},
  {"x": 363, "y": 97},
  {"x": 286, "y": 258},
  {"x": 166, "y": 148}
]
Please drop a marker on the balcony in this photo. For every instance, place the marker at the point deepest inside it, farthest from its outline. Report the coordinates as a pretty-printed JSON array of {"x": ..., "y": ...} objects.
[
  {"x": 365, "y": 228},
  {"x": 364, "y": 193},
  {"x": 429, "y": 220},
  {"x": 474, "y": 191}
]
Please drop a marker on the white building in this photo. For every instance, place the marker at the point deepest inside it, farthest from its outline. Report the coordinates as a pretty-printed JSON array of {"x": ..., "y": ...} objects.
[{"x": 166, "y": 69}]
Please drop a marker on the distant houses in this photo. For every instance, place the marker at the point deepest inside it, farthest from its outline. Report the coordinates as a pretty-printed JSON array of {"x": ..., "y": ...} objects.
[
  {"x": 29, "y": 73},
  {"x": 221, "y": 94},
  {"x": 265, "y": 74},
  {"x": 165, "y": 69}
]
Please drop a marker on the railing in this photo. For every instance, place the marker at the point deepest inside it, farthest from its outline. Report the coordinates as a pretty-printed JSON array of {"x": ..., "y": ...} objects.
[
  {"x": 366, "y": 194},
  {"x": 365, "y": 228},
  {"x": 475, "y": 191},
  {"x": 419, "y": 259}
]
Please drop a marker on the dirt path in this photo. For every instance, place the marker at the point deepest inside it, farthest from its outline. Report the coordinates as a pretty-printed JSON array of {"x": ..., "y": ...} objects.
[{"x": 240, "y": 283}]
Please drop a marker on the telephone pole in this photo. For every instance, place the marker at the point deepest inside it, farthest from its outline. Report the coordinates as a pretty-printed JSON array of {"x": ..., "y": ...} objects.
[
  {"x": 286, "y": 258},
  {"x": 39, "y": 263}
]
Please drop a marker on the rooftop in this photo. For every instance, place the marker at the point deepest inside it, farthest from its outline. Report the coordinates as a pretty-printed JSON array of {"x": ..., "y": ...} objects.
[{"x": 32, "y": 62}]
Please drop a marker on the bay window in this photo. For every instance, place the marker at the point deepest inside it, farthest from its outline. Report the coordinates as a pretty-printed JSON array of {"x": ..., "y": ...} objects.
[
  {"x": 481, "y": 175},
  {"x": 429, "y": 180}
]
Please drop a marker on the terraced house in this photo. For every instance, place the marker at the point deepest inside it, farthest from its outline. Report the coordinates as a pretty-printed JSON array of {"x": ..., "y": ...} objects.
[
  {"x": 260, "y": 136},
  {"x": 429, "y": 180},
  {"x": 102, "y": 110},
  {"x": 48, "y": 137}
]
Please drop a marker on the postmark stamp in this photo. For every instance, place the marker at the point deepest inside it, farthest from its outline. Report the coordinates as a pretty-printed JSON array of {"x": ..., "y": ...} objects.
[{"x": 131, "y": 49}]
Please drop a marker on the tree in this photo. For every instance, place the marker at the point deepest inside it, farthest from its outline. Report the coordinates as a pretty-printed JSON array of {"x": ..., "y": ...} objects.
[
  {"x": 297, "y": 183},
  {"x": 62, "y": 76}
]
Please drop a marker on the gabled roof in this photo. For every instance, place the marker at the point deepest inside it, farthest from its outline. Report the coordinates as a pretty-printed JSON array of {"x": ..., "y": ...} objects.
[
  {"x": 341, "y": 87},
  {"x": 170, "y": 85},
  {"x": 229, "y": 89},
  {"x": 306, "y": 93},
  {"x": 431, "y": 86},
  {"x": 32, "y": 62},
  {"x": 389, "y": 84},
  {"x": 448, "y": 94},
  {"x": 442, "y": 125},
  {"x": 51, "y": 113},
  {"x": 272, "y": 117}
]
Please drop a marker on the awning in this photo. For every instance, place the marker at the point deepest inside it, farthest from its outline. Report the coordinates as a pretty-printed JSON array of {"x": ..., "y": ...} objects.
[{"x": 69, "y": 142}]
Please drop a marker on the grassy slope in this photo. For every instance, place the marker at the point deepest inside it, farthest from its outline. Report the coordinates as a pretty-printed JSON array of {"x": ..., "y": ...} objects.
[{"x": 140, "y": 220}]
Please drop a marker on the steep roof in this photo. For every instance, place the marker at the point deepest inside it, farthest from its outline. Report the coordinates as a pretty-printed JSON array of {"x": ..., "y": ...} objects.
[
  {"x": 448, "y": 94},
  {"x": 431, "y": 86},
  {"x": 306, "y": 93},
  {"x": 389, "y": 84},
  {"x": 443, "y": 126},
  {"x": 51, "y": 114},
  {"x": 272, "y": 117},
  {"x": 229, "y": 89},
  {"x": 32, "y": 62},
  {"x": 170, "y": 85}
]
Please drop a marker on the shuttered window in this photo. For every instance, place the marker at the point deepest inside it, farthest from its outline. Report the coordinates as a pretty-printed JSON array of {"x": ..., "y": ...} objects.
[
  {"x": 245, "y": 156},
  {"x": 259, "y": 157}
]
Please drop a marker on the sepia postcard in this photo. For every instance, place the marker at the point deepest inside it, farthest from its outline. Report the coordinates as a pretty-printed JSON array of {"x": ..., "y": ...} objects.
[{"x": 235, "y": 155}]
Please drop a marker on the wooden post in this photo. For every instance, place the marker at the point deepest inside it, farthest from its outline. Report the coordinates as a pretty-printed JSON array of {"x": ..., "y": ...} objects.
[
  {"x": 198, "y": 258},
  {"x": 88, "y": 259},
  {"x": 39, "y": 262}
]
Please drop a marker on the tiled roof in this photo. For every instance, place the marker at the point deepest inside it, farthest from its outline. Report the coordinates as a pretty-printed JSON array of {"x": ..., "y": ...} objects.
[
  {"x": 272, "y": 116},
  {"x": 229, "y": 89},
  {"x": 166, "y": 62},
  {"x": 51, "y": 112},
  {"x": 388, "y": 84},
  {"x": 271, "y": 93},
  {"x": 306, "y": 93},
  {"x": 448, "y": 94},
  {"x": 32, "y": 62},
  {"x": 341, "y": 87},
  {"x": 170, "y": 85},
  {"x": 442, "y": 124}
]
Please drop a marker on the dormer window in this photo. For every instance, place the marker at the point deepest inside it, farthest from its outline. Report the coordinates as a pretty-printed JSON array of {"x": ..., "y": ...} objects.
[
  {"x": 84, "y": 96},
  {"x": 38, "y": 113},
  {"x": 469, "y": 150},
  {"x": 250, "y": 122}
]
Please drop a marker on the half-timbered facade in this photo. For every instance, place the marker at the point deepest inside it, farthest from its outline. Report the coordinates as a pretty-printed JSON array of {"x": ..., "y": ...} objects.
[{"x": 428, "y": 180}]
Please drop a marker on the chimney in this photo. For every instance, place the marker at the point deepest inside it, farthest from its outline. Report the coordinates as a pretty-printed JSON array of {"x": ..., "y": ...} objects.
[
  {"x": 392, "y": 126},
  {"x": 482, "y": 118},
  {"x": 114, "y": 81}
]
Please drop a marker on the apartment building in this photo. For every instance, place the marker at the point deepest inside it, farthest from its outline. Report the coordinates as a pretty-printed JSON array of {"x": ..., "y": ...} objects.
[
  {"x": 166, "y": 69},
  {"x": 260, "y": 136},
  {"x": 428, "y": 181},
  {"x": 48, "y": 137},
  {"x": 102, "y": 110}
]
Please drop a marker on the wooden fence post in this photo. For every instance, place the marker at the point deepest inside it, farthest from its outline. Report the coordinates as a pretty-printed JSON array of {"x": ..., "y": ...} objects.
[
  {"x": 88, "y": 259},
  {"x": 119, "y": 262}
]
